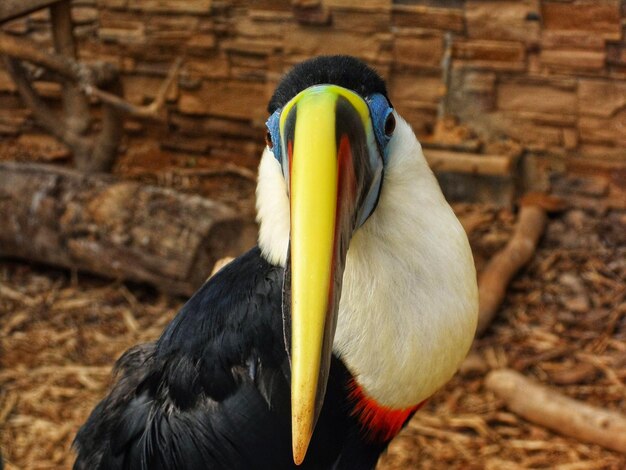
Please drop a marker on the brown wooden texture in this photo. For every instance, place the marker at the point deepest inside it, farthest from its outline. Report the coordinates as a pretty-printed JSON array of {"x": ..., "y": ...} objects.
[
  {"x": 463, "y": 162},
  {"x": 13, "y": 8},
  {"x": 540, "y": 72},
  {"x": 79, "y": 82},
  {"x": 90, "y": 154},
  {"x": 118, "y": 229},
  {"x": 76, "y": 108}
]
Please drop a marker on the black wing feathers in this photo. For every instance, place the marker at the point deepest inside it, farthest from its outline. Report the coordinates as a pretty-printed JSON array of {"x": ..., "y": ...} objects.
[
  {"x": 213, "y": 392},
  {"x": 190, "y": 400}
]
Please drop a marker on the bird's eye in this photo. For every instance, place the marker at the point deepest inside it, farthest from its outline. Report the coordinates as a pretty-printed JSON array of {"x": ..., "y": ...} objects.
[
  {"x": 268, "y": 140},
  {"x": 390, "y": 125}
]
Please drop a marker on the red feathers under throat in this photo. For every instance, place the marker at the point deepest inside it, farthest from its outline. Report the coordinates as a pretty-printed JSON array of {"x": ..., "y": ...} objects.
[{"x": 380, "y": 423}]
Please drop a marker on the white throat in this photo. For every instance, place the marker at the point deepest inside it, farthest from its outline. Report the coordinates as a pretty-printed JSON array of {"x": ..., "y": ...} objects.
[{"x": 409, "y": 301}]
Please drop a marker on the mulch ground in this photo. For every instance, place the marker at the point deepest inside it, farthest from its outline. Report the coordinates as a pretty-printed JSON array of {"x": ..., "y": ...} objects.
[{"x": 563, "y": 323}]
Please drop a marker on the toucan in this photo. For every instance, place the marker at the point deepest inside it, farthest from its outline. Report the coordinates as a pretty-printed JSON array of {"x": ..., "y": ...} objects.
[{"x": 313, "y": 349}]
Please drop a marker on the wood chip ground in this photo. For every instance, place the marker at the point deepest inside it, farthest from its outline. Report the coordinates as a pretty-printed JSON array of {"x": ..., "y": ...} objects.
[{"x": 563, "y": 323}]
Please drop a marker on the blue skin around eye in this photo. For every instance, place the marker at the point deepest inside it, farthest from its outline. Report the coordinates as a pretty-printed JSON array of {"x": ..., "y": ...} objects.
[
  {"x": 273, "y": 126},
  {"x": 379, "y": 111}
]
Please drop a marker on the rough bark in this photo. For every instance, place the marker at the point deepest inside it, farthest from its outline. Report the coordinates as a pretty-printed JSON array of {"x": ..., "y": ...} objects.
[
  {"x": 106, "y": 142},
  {"x": 564, "y": 415},
  {"x": 119, "y": 229},
  {"x": 75, "y": 105}
]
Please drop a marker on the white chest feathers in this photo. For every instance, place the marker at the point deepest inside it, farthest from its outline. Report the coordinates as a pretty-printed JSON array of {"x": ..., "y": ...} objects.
[{"x": 409, "y": 301}]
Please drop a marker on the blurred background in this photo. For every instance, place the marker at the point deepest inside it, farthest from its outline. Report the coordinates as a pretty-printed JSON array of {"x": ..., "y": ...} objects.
[{"x": 130, "y": 133}]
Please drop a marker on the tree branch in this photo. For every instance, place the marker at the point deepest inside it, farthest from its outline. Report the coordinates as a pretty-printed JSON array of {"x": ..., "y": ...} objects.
[
  {"x": 76, "y": 107},
  {"x": 150, "y": 111},
  {"x": 10, "y": 9},
  {"x": 546, "y": 407},
  {"x": 505, "y": 264},
  {"x": 42, "y": 113},
  {"x": 495, "y": 278},
  {"x": 24, "y": 49},
  {"x": 90, "y": 79},
  {"x": 108, "y": 140}
]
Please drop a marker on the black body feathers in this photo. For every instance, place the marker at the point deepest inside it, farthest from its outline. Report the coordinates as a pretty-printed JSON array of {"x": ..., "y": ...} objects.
[{"x": 213, "y": 392}]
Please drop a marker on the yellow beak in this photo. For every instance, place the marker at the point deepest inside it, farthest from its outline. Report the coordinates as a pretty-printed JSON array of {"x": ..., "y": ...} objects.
[{"x": 323, "y": 197}]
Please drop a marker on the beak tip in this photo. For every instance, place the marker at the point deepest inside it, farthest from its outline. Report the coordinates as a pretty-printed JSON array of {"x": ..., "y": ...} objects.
[
  {"x": 299, "y": 452},
  {"x": 301, "y": 437}
]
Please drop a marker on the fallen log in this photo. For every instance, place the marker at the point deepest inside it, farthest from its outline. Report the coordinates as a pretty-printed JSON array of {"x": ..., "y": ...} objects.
[
  {"x": 541, "y": 405},
  {"x": 115, "y": 228}
]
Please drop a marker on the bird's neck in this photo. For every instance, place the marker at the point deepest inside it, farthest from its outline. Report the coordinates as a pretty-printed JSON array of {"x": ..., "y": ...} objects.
[{"x": 409, "y": 300}]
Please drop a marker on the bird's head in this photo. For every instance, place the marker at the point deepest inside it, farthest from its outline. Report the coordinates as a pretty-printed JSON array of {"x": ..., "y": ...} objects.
[{"x": 329, "y": 128}]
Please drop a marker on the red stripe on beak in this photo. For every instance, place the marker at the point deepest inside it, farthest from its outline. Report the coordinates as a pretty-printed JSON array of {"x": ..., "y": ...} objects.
[{"x": 346, "y": 194}]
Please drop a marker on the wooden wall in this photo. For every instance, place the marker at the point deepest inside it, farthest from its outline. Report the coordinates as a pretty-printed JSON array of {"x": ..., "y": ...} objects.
[{"x": 549, "y": 75}]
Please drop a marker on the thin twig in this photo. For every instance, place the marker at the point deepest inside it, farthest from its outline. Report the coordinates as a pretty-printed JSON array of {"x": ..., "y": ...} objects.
[{"x": 150, "y": 111}]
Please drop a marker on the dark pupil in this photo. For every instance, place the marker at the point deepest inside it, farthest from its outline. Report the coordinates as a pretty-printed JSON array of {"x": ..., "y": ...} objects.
[
  {"x": 268, "y": 140},
  {"x": 390, "y": 125}
]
